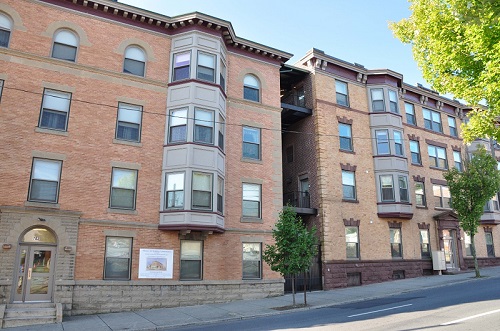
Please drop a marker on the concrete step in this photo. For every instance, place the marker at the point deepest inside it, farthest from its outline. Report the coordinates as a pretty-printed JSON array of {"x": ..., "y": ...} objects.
[
  {"x": 23, "y": 314},
  {"x": 29, "y": 312},
  {"x": 23, "y": 321}
]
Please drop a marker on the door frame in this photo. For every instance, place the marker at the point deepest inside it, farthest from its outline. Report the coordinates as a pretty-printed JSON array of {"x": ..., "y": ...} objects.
[
  {"x": 448, "y": 220},
  {"x": 31, "y": 247}
]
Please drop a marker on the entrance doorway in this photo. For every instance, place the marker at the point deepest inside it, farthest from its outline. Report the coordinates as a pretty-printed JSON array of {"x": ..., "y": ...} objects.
[
  {"x": 450, "y": 248},
  {"x": 35, "y": 265}
]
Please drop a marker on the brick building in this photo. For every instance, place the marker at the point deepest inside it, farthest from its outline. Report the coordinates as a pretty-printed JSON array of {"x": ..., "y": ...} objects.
[
  {"x": 135, "y": 168},
  {"x": 363, "y": 160}
]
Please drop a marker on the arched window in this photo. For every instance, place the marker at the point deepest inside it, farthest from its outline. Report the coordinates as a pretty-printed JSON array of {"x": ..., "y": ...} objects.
[
  {"x": 251, "y": 88},
  {"x": 65, "y": 45},
  {"x": 5, "y": 29},
  {"x": 135, "y": 61}
]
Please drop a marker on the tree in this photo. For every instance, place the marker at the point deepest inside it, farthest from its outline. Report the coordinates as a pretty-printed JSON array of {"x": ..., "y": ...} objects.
[
  {"x": 471, "y": 189},
  {"x": 456, "y": 44},
  {"x": 294, "y": 247}
]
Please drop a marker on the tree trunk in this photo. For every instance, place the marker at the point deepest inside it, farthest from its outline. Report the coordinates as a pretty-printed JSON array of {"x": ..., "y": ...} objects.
[
  {"x": 293, "y": 289},
  {"x": 305, "y": 288},
  {"x": 473, "y": 250}
]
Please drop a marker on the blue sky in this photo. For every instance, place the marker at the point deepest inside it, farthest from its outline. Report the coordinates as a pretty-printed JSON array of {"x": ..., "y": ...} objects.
[{"x": 352, "y": 30}]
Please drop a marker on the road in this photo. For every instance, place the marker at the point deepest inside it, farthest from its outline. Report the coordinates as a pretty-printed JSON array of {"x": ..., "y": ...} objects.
[{"x": 469, "y": 306}]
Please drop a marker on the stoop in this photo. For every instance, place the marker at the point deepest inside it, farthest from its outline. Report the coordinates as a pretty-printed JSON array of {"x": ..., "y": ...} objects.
[{"x": 22, "y": 314}]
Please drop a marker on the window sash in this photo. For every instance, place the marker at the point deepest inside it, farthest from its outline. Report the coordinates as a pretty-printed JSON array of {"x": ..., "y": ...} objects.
[
  {"x": 419, "y": 194},
  {"x": 382, "y": 138},
  {"x": 191, "y": 260},
  {"x": 45, "y": 178},
  {"x": 252, "y": 261},
  {"x": 377, "y": 100},
  {"x": 123, "y": 188},
  {"x": 4, "y": 38},
  {"x": 206, "y": 67},
  {"x": 203, "y": 126},
  {"x": 393, "y": 102},
  {"x": 415, "y": 152},
  {"x": 398, "y": 143},
  {"x": 403, "y": 189},
  {"x": 252, "y": 197},
  {"x": 387, "y": 188},
  {"x": 352, "y": 242},
  {"x": 341, "y": 93},
  {"x": 251, "y": 143},
  {"x": 64, "y": 52},
  {"x": 251, "y": 93},
  {"x": 345, "y": 136},
  {"x": 410, "y": 113},
  {"x": 396, "y": 243},
  {"x": 134, "y": 67},
  {"x": 182, "y": 63},
  {"x": 348, "y": 185},
  {"x": 201, "y": 191},
  {"x": 174, "y": 193},
  {"x": 117, "y": 258}
]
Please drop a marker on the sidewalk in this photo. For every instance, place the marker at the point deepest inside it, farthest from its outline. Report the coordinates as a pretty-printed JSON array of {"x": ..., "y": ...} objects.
[{"x": 156, "y": 319}]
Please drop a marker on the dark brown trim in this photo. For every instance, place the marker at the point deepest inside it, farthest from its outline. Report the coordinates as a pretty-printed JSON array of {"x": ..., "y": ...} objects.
[
  {"x": 456, "y": 148},
  {"x": 393, "y": 203},
  {"x": 191, "y": 227},
  {"x": 405, "y": 216},
  {"x": 488, "y": 229},
  {"x": 419, "y": 178},
  {"x": 440, "y": 169},
  {"x": 430, "y": 131},
  {"x": 421, "y": 207},
  {"x": 413, "y": 137},
  {"x": 439, "y": 181},
  {"x": 350, "y": 201},
  {"x": 436, "y": 143},
  {"x": 423, "y": 226},
  {"x": 188, "y": 211},
  {"x": 395, "y": 225},
  {"x": 348, "y": 167},
  {"x": 351, "y": 222},
  {"x": 391, "y": 155},
  {"x": 345, "y": 151},
  {"x": 192, "y": 80},
  {"x": 344, "y": 120}
]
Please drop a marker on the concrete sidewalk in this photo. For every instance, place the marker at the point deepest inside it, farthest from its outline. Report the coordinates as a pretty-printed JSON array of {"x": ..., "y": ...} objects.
[{"x": 157, "y": 319}]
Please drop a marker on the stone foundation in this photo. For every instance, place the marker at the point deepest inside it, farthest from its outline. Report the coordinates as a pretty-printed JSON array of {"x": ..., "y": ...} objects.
[
  {"x": 91, "y": 297},
  {"x": 341, "y": 273},
  {"x": 483, "y": 262}
]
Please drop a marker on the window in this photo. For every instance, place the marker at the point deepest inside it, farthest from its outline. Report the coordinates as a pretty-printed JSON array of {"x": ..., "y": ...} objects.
[
  {"x": 393, "y": 101},
  {"x": 123, "y": 188},
  {"x": 65, "y": 45},
  {"x": 5, "y": 29},
  {"x": 382, "y": 137},
  {"x": 377, "y": 100},
  {"x": 494, "y": 201},
  {"x": 45, "y": 179},
  {"x": 453, "y": 126},
  {"x": 222, "y": 75},
  {"x": 387, "y": 188},
  {"x": 174, "y": 195},
  {"x": 342, "y": 94},
  {"x": 457, "y": 158},
  {"x": 348, "y": 185},
  {"x": 182, "y": 62},
  {"x": 191, "y": 260},
  {"x": 432, "y": 120},
  {"x": 398, "y": 143},
  {"x": 118, "y": 258},
  {"x": 467, "y": 241},
  {"x": 178, "y": 126},
  {"x": 403, "y": 189},
  {"x": 345, "y": 135},
  {"x": 489, "y": 244},
  {"x": 202, "y": 191},
  {"x": 442, "y": 196},
  {"x": 420, "y": 194},
  {"x": 55, "y": 110},
  {"x": 251, "y": 200},
  {"x": 203, "y": 126},
  {"x": 289, "y": 154},
  {"x": 206, "y": 67},
  {"x": 425, "y": 246},
  {"x": 252, "y": 265},
  {"x": 220, "y": 195},
  {"x": 415, "y": 152},
  {"x": 352, "y": 242},
  {"x": 396, "y": 247},
  {"x": 410, "y": 114},
  {"x": 251, "y": 143},
  {"x": 221, "y": 132},
  {"x": 128, "y": 124},
  {"x": 437, "y": 157},
  {"x": 251, "y": 88},
  {"x": 135, "y": 61}
]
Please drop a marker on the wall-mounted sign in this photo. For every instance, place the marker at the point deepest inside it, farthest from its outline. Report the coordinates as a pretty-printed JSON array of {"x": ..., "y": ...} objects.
[{"x": 156, "y": 263}]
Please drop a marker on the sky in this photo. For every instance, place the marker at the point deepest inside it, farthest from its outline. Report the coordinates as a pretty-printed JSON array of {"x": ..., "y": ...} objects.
[{"x": 351, "y": 30}]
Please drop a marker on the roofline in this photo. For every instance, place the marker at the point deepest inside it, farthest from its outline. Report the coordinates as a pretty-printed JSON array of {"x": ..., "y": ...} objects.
[{"x": 171, "y": 23}]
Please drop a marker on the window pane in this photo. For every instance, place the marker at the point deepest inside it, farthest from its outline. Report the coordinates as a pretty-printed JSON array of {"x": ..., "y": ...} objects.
[
  {"x": 43, "y": 190},
  {"x": 191, "y": 250},
  {"x": 251, "y": 81},
  {"x": 251, "y": 208},
  {"x": 348, "y": 178},
  {"x": 206, "y": 74},
  {"x": 128, "y": 131},
  {"x": 4, "y": 38},
  {"x": 202, "y": 199},
  {"x": 206, "y": 60},
  {"x": 46, "y": 169},
  {"x": 64, "y": 52},
  {"x": 250, "y": 151},
  {"x": 251, "y": 192},
  {"x": 182, "y": 59},
  {"x": 129, "y": 113},
  {"x": 181, "y": 73},
  {"x": 175, "y": 199},
  {"x": 351, "y": 234},
  {"x": 344, "y": 130},
  {"x": 53, "y": 120},
  {"x": 341, "y": 87},
  {"x": 190, "y": 269},
  {"x": 352, "y": 250},
  {"x": 175, "y": 182},
  {"x": 251, "y": 135},
  {"x": 116, "y": 268},
  {"x": 178, "y": 133},
  {"x": 66, "y": 37},
  {"x": 202, "y": 182},
  {"x": 56, "y": 100},
  {"x": 382, "y": 137},
  {"x": 124, "y": 178},
  {"x": 134, "y": 67},
  {"x": 250, "y": 94},
  {"x": 178, "y": 117},
  {"x": 135, "y": 53},
  {"x": 122, "y": 198},
  {"x": 251, "y": 269}
]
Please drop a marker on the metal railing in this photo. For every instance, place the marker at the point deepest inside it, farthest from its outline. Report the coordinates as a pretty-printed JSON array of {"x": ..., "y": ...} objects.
[{"x": 297, "y": 199}]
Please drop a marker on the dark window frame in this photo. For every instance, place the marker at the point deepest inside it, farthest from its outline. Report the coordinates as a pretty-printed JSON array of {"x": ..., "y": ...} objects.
[
  {"x": 32, "y": 179},
  {"x": 129, "y": 258},
  {"x": 342, "y": 98},
  {"x": 247, "y": 262},
  {"x": 126, "y": 124},
  {"x": 112, "y": 188}
]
